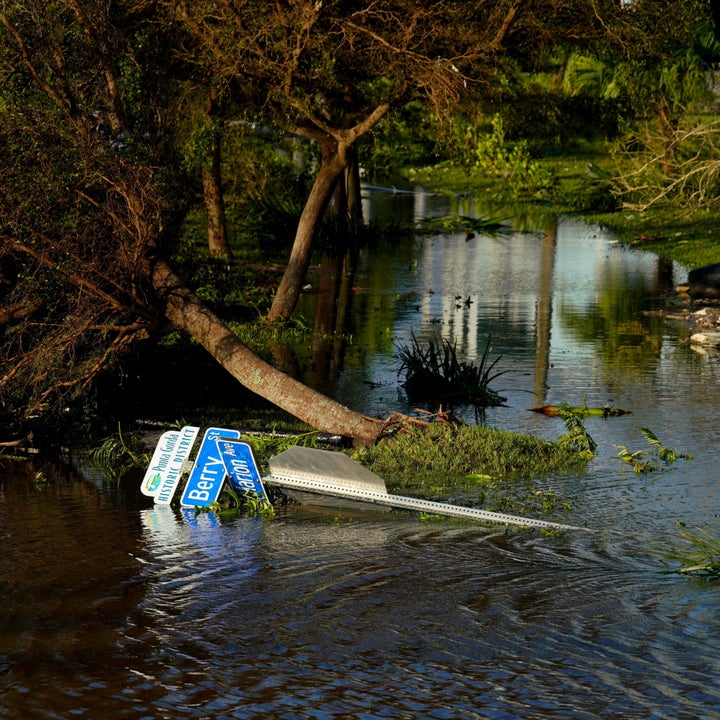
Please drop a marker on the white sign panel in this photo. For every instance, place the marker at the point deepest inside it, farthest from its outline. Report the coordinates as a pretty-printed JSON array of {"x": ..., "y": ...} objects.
[{"x": 163, "y": 473}]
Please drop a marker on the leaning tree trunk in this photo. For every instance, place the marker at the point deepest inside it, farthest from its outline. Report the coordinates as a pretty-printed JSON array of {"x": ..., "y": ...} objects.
[
  {"x": 187, "y": 313},
  {"x": 334, "y": 160}
]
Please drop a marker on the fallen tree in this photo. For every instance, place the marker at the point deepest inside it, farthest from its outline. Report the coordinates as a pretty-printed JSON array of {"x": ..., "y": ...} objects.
[
  {"x": 93, "y": 194},
  {"x": 90, "y": 209},
  {"x": 187, "y": 313}
]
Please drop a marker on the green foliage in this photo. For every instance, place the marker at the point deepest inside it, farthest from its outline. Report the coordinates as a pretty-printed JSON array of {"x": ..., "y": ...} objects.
[
  {"x": 659, "y": 458},
  {"x": 266, "y": 189},
  {"x": 403, "y": 138},
  {"x": 231, "y": 505},
  {"x": 593, "y": 193},
  {"x": 434, "y": 373},
  {"x": 537, "y": 502},
  {"x": 119, "y": 456},
  {"x": 577, "y": 438},
  {"x": 440, "y": 457},
  {"x": 700, "y": 555},
  {"x": 511, "y": 163}
]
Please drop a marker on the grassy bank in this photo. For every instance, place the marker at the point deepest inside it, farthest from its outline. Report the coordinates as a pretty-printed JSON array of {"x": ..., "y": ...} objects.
[
  {"x": 442, "y": 457},
  {"x": 582, "y": 186}
]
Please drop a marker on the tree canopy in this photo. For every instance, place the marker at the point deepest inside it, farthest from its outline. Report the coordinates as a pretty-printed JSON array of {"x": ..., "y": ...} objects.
[{"x": 94, "y": 96}]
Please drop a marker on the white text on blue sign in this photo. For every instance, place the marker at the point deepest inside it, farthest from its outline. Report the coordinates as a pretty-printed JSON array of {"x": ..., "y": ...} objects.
[
  {"x": 207, "y": 477},
  {"x": 240, "y": 466}
]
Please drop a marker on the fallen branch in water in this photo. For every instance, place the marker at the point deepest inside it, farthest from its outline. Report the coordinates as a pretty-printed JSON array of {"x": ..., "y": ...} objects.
[{"x": 556, "y": 410}]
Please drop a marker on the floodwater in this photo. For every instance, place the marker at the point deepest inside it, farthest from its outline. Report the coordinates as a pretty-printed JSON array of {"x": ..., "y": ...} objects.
[{"x": 115, "y": 608}]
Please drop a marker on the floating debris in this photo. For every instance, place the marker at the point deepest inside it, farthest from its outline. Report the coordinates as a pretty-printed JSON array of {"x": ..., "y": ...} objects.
[{"x": 584, "y": 411}]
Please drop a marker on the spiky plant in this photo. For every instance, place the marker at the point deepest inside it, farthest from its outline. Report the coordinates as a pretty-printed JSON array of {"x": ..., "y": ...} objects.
[
  {"x": 701, "y": 555},
  {"x": 433, "y": 373}
]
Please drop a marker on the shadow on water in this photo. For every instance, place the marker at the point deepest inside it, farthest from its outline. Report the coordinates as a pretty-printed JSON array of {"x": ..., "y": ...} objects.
[{"x": 117, "y": 608}]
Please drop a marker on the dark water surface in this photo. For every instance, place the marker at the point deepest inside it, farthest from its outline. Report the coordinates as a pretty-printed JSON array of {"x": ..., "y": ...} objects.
[{"x": 116, "y": 609}]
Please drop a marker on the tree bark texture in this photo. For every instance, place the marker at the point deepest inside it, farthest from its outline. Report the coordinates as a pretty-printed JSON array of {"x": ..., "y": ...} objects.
[
  {"x": 218, "y": 243},
  {"x": 334, "y": 161},
  {"x": 187, "y": 313}
]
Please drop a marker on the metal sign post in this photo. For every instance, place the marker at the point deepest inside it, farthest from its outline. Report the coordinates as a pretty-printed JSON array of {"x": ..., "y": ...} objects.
[{"x": 331, "y": 473}]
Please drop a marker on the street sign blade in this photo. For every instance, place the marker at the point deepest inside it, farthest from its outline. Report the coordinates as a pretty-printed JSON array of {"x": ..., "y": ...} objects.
[
  {"x": 241, "y": 466},
  {"x": 170, "y": 482},
  {"x": 207, "y": 476},
  {"x": 163, "y": 473}
]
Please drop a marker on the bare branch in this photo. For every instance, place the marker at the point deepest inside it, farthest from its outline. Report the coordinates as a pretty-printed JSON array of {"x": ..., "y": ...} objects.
[
  {"x": 505, "y": 25},
  {"x": 64, "y": 102}
]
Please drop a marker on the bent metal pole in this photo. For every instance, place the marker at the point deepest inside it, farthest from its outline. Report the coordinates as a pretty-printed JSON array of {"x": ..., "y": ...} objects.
[
  {"x": 335, "y": 474},
  {"x": 408, "y": 503}
]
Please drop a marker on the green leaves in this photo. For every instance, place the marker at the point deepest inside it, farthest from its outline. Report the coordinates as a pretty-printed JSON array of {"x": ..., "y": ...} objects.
[
  {"x": 510, "y": 162},
  {"x": 577, "y": 437},
  {"x": 119, "y": 456},
  {"x": 232, "y": 505},
  {"x": 700, "y": 555},
  {"x": 659, "y": 458}
]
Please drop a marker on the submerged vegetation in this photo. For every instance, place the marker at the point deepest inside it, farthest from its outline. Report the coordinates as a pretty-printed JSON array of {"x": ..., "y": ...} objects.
[
  {"x": 434, "y": 373},
  {"x": 699, "y": 556},
  {"x": 231, "y": 505},
  {"x": 658, "y": 458},
  {"x": 440, "y": 457},
  {"x": 120, "y": 457},
  {"x": 432, "y": 460},
  {"x": 577, "y": 438}
]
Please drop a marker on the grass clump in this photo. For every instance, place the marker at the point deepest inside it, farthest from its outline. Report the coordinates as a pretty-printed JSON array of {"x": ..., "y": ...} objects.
[
  {"x": 433, "y": 373},
  {"x": 440, "y": 457}
]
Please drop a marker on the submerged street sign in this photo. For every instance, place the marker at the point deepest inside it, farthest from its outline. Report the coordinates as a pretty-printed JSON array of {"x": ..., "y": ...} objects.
[
  {"x": 241, "y": 467},
  {"x": 163, "y": 473},
  {"x": 206, "y": 479}
]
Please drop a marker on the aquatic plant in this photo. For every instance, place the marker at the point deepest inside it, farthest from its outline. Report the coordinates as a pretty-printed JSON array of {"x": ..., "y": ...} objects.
[
  {"x": 577, "y": 438},
  {"x": 443, "y": 457},
  {"x": 433, "y": 373},
  {"x": 644, "y": 461},
  {"x": 118, "y": 456},
  {"x": 535, "y": 502},
  {"x": 254, "y": 505},
  {"x": 699, "y": 557},
  {"x": 232, "y": 504}
]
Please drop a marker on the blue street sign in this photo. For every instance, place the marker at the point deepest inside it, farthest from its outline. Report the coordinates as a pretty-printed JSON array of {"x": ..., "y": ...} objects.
[
  {"x": 241, "y": 467},
  {"x": 207, "y": 477}
]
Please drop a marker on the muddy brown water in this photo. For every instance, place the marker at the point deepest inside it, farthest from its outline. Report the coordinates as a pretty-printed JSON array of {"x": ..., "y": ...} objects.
[{"x": 114, "y": 608}]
